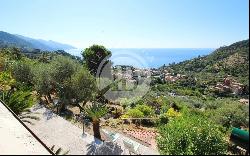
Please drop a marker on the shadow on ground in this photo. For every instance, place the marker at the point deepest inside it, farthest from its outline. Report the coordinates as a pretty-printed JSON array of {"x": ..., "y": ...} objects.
[
  {"x": 105, "y": 148},
  {"x": 48, "y": 114}
]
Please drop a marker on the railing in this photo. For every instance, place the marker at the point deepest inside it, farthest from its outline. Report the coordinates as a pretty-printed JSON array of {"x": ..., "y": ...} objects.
[{"x": 33, "y": 134}]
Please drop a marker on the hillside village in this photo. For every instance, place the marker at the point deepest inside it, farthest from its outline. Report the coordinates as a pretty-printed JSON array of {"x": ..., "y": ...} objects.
[{"x": 133, "y": 74}]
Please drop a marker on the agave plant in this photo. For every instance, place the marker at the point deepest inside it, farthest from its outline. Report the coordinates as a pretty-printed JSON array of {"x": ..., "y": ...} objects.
[
  {"x": 19, "y": 102},
  {"x": 95, "y": 112}
]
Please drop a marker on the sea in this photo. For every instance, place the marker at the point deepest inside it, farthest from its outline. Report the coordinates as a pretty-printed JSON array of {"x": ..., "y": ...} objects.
[{"x": 150, "y": 57}]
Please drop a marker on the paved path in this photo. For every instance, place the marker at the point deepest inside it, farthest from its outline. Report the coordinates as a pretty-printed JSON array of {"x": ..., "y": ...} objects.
[
  {"x": 15, "y": 138},
  {"x": 54, "y": 130}
]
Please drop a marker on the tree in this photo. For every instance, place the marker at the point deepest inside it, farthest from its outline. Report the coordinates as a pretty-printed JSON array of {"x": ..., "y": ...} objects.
[
  {"x": 95, "y": 112},
  {"x": 16, "y": 53},
  {"x": 44, "y": 58},
  {"x": 22, "y": 72},
  {"x": 43, "y": 81},
  {"x": 191, "y": 135},
  {"x": 83, "y": 87},
  {"x": 63, "y": 68},
  {"x": 94, "y": 55}
]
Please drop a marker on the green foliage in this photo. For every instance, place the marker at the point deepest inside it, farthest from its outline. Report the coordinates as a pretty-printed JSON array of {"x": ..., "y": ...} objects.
[
  {"x": 171, "y": 113},
  {"x": 135, "y": 113},
  {"x": 95, "y": 111},
  {"x": 6, "y": 81},
  {"x": 163, "y": 118},
  {"x": 83, "y": 86},
  {"x": 22, "y": 71},
  {"x": 18, "y": 101},
  {"x": 230, "y": 114},
  {"x": 114, "y": 122},
  {"x": 94, "y": 55},
  {"x": 2, "y": 63},
  {"x": 63, "y": 68},
  {"x": 229, "y": 60},
  {"x": 191, "y": 135},
  {"x": 146, "y": 110},
  {"x": 42, "y": 78},
  {"x": 127, "y": 103}
]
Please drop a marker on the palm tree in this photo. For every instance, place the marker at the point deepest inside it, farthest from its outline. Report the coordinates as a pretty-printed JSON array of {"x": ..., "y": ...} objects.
[{"x": 95, "y": 112}]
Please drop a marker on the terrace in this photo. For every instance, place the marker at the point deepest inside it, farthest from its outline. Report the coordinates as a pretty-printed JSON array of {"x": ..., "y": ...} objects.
[
  {"x": 16, "y": 138},
  {"x": 54, "y": 130}
]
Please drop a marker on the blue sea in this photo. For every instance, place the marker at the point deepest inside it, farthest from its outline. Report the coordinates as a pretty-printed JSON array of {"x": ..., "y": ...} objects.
[{"x": 151, "y": 58}]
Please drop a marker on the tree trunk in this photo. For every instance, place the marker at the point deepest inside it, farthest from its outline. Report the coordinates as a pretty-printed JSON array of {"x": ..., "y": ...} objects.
[
  {"x": 96, "y": 129},
  {"x": 49, "y": 98},
  {"x": 63, "y": 107},
  {"x": 46, "y": 98}
]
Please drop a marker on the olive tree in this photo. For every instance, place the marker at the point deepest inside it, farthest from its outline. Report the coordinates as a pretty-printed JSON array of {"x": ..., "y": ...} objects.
[
  {"x": 43, "y": 81},
  {"x": 83, "y": 87},
  {"x": 22, "y": 71},
  {"x": 63, "y": 68}
]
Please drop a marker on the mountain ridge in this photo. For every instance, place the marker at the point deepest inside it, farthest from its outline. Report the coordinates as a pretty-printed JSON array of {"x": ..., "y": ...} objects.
[{"x": 8, "y": 40}]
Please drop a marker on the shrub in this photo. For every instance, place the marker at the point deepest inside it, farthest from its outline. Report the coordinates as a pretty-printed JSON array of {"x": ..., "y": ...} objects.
[
  {"x": 22, "y": 72},
  {"x": 163, "y": 118},
  {"x": 192, "y": 135},
  {"x": 114, "y": 123},
  {"x": 18, "y": 101},
  {"x": 135, "y": 113},
  {"x": 230, "y": 114},
  {"x": 171, "y": 113},
  {"x": 125, "y": 116},
  {"x": 146, "y": 110},
  {"x": 6, "y": 81}
]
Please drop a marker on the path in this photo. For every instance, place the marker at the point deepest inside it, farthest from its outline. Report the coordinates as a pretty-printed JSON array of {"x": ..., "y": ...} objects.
[{"x": 54, "y": 130}]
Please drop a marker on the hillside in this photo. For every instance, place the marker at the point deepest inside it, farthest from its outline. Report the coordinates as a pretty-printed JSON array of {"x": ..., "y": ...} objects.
[
  {"x": 228, "y": 60},
  {"x": 9, "y": 40},
  {"x": 46, "y": 45}
]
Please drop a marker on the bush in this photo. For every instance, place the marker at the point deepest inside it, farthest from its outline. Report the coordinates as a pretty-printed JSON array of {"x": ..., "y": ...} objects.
[
  {"x": 192, "y": 135},
  {"x": 18, "y": 101},
  {"x": 163, "y": 119},
  {"x": 6, "y": 81},
  {"x": 171, "y": 113},
  {"x": 231, "y": 114},
  {"x": 146, "y": 110},
  {"x": 135, "y": 113},
  {"x": 22, "y": 72}
]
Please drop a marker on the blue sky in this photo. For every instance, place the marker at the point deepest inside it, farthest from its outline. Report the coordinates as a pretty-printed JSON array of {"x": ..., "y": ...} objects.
[{"x": 129, "y": 23}]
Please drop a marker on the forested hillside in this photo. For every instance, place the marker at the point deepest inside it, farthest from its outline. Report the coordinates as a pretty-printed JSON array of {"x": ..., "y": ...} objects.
[{"x": 228, "y": 60}]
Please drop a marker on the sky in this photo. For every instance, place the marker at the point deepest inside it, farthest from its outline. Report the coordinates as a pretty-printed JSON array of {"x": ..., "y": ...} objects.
[{"x": 129, "y": 23}]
